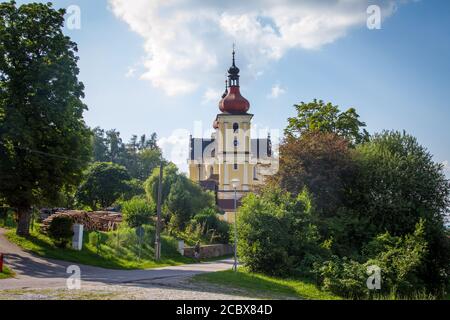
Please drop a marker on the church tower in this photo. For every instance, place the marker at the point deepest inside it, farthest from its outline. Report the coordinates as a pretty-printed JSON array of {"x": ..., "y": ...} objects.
[{"x": 231, "y": 159}]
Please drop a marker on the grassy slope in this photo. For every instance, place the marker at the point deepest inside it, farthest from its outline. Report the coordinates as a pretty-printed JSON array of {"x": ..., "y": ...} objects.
[
  {"x": 7, "y": 273},
  {"x": 113, "y": 252},
  {"x": 265, "y": 286}
]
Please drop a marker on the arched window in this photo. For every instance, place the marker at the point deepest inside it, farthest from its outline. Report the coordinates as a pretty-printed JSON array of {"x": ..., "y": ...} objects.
[{"x": 235, "y": 127}]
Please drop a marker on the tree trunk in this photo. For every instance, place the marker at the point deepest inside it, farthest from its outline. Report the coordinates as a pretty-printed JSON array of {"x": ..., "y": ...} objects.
[{"x": 23, "y": 225}]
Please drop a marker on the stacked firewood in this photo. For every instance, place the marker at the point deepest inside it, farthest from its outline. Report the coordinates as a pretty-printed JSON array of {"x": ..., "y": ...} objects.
[{"x": 92, "y": 221}]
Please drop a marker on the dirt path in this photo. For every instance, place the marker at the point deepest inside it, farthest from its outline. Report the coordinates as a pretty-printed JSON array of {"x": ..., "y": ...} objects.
[{"x": 41, "y": 278}]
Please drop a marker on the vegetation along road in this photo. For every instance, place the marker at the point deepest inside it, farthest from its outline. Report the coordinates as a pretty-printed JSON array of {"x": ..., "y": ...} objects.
[{"x": 41, "y": 278}]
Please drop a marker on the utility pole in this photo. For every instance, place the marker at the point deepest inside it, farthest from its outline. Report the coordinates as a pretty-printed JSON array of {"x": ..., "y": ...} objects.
[
  {"x": 158, "y": 213},
  {"x": 235, "y": 184}
]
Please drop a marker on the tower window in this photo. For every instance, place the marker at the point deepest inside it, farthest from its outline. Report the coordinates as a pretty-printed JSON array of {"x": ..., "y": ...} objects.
[
  {"x": 235, "y": 127},
  {"x": 235, "y": 166},
  {"x": 235, "y": 142}
]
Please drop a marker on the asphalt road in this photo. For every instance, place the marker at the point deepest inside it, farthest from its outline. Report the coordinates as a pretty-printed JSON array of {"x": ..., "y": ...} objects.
[{"x": 37, "y": 277}]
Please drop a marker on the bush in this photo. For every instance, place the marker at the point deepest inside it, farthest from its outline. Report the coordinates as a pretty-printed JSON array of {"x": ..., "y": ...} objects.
[
  {"x": 399, "y": 259},
  {"x": 344, "y": 277},
  {"x": 138, "y": 211},
  {"x": 60, "y": 230},
  {"x": 276, "y": 233},
  {"x": 213, "y": 228}
]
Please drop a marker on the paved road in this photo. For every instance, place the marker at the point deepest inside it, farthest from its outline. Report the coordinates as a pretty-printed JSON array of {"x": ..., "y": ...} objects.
[{"x": 36, "y": 275}]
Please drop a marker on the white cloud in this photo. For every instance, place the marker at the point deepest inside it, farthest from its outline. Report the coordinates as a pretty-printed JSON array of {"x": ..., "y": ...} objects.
[
  {"x": 188, "y": 42},
  {"x": 130, "y": 72},
  {"x": 212, "y": 95},
  {"x": 276, "y": 91},
  {"x": 175, "y": 147}
]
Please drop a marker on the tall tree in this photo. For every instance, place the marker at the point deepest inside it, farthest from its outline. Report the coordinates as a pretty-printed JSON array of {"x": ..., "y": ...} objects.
[
  {"x": 104, "y": 183},
  {"x": 44, "y": 142},
  {"x": 317, "y": 116},
  {"x": 321, "y": 162},
  {"x": 100, "y": 149}
]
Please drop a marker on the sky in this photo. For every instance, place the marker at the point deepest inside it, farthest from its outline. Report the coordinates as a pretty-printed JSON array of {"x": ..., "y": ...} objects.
[{"x": 160, "y": 65}]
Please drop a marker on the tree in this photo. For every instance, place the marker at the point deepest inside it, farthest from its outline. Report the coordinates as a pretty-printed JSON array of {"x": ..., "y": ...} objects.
[
  {"x": 44, "y": 142},
  {"x": 138, "y": 211},
  {"x": 276, "y": 232},
  {"x": 318, "y": 116},
  {"x": 181, "y": 197},
  {"x": 100, "y": 149},
  {"x": 320, "y": 161},
  {"x": 398, "y": 184},
  {"x": 104, "y": 183},
  {"x": 139, "y": 157}
]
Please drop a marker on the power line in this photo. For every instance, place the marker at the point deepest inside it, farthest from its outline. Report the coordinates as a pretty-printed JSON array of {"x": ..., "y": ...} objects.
[{"x": 44, "y": 153}]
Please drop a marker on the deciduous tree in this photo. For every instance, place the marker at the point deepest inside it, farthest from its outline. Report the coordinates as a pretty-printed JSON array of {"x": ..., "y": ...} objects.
[{"x": 44, "y": 142}]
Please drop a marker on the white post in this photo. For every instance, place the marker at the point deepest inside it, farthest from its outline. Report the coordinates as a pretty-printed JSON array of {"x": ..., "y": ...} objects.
[
  {"x": 181, "y": 247},
  {"x": 77, "y": 240}
]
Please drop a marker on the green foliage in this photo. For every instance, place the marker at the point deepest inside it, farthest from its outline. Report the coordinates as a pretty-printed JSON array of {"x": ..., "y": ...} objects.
[
  {"x": 60, "y": 230},
  {"x": 380, "y": 203},
  {"x": 114, "y": 250},
  {"x": 321, "y": 162},
  {"x": 266, "y": 287},
  {"x": 104, "y": 183},
  {"x": 276, "y": 232},
  {"x": 317, "y": 116},
  {"x": 139, "y": 157},
  {"x": 344, "y": 277},
  {"x": 213, "y": 230},
  {"x": 181, "y": 197},
  {"x": 44, "y": 142},
  {"x": 399, "y": 184},
  {"x": 399, "y": 259},
  {"x": 138, "y": 211}
]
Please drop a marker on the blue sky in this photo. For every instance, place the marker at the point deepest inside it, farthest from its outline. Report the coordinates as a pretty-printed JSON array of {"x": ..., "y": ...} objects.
[{"x": 152, "y": 67}]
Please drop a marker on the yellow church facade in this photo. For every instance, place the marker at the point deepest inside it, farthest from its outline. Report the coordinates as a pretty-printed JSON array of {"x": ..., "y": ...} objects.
[{"x": 231, "y": 161}]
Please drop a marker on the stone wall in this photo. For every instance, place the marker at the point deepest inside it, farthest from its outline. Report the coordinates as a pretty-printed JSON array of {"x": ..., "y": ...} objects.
[{"x": 210, "y": 251}]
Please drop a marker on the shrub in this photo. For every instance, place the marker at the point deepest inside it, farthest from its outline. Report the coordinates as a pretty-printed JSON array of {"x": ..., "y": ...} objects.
[
  {"x": 138, "y": 211},
  {"x": 276, "y": 233},
  {"x": 60, "y": 230},
  {"x": 344, "y": 277},
  {"x": 399, "y": 259},
  {"x": 214, "y": 229}
]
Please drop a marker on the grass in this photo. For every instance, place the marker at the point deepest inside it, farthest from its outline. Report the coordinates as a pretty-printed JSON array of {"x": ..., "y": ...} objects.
[
  {"x": 7, "y": 273},
  {"x": 266, "y": 287},
  {"x": 112, "y": 250}
]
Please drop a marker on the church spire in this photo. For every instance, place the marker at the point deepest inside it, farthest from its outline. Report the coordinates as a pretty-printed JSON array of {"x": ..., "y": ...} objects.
[
  {"x": 226, "y": 89},
  {"x": 233, "y": 72},
  {"x": 233, "y": 102}
]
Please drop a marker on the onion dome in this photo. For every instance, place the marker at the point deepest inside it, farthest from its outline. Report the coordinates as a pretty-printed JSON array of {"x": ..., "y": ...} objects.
[{"x": 233, "y": 102}]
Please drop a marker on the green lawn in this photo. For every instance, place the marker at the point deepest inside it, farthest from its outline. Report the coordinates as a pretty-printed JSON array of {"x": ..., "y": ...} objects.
[
  {"x": 264, "y": 286},
  {"x": 7, "y": 273},
  {"x": 113, "y": 250}
]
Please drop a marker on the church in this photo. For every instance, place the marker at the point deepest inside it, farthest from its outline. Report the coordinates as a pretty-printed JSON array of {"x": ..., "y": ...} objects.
[{"x": 231, "y": 161}]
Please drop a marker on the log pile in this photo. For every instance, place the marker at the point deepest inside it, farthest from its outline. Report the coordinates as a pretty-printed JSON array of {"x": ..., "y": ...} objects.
[{"x": 92, "y": 221}]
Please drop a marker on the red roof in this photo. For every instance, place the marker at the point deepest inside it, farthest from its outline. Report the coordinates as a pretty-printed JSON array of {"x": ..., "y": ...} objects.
[{"x": 234, "y": 102}]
